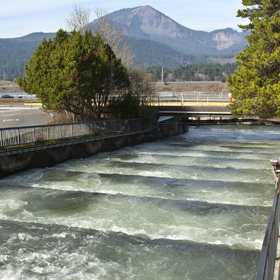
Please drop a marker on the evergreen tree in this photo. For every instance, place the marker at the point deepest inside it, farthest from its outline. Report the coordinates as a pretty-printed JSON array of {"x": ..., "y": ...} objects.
[
  {"x": 256, "y": 83},
  {"x": 74, "y": 72}
]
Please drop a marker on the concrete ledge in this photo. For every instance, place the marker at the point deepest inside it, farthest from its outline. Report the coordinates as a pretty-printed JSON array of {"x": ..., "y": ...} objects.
[{"x": 48, "y": 155}]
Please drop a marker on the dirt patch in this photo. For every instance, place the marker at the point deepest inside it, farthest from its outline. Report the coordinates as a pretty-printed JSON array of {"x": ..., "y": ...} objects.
[{"x": 8, "y": 87}]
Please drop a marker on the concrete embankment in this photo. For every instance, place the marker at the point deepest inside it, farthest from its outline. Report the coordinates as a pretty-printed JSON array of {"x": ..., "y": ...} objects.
[{"x": 40, "y": 156}]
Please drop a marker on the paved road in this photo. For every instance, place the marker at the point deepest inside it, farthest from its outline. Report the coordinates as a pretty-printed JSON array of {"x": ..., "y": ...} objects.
[{"x": 22, "y": 115}]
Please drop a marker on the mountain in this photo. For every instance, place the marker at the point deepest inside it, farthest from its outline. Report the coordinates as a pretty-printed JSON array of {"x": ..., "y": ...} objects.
[
  {"x": 155, "y": 39},
  {"x": 15, "y": 53},
  {"x": 147, "y": 23}
]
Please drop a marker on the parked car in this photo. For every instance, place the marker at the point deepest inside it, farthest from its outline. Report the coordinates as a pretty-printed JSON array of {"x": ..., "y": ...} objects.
[{"x": 7, "y": 96}]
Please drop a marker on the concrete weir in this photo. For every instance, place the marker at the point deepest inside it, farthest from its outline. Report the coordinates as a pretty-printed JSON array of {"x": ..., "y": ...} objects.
[
  {"x": 39, "y": 156},
  {"x": 172, "y": 125}
]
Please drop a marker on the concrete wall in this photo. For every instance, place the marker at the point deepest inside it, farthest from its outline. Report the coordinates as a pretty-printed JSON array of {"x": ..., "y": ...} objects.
[
  {"x": 13, "y": 161},
  {"x": 195, "y": 108}
]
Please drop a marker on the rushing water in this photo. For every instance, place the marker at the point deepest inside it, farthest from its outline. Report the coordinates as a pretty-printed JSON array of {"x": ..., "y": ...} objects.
[{"x": 194, "y": 206}]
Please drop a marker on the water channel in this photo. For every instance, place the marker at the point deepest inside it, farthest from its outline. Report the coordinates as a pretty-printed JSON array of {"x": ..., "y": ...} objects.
[{"x": 194, "y": 206}]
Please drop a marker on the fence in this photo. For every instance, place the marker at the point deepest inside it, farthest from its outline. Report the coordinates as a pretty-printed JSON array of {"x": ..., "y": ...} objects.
[
  {"x": 268, "y": 253},
  {"x": 204, "y": 98},
  {"x": 42, "y": 133}
]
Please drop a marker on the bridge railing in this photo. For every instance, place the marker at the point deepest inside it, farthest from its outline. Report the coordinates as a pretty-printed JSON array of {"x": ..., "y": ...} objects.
[
  {"x": 42, "y": 133},
  {"x": 269, "y": 247},
  {"x": 204, "y": 98}
]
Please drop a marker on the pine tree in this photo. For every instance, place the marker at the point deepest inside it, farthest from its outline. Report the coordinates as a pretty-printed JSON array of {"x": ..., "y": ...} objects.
[{"x": 256, "y": 83}]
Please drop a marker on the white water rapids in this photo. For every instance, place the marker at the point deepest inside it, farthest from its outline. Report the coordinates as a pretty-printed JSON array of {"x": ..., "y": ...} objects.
[{"x": 195, "y": 206}]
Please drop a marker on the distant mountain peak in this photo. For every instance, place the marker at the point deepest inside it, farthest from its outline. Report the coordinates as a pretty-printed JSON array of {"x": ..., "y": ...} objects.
[
  {"x": 145, "y": 22},
  {"x": 152, "y": 22}
]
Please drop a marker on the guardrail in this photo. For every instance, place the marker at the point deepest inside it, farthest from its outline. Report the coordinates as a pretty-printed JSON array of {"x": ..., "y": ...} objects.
[
  {"x": 35, "y": 134},
  {"x": 269, "y": 247}
]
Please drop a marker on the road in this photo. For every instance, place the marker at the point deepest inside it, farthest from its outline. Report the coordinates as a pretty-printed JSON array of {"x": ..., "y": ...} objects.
[{"x": 19, "y": 115}]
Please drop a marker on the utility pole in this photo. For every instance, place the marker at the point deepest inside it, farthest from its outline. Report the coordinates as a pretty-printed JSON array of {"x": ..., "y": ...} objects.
[
  {"x": 162, "y": 74},
  {"x": 4, "y": 74}
]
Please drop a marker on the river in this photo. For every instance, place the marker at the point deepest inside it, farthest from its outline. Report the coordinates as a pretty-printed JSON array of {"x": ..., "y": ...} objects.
[{"x": 194, "y": 206}]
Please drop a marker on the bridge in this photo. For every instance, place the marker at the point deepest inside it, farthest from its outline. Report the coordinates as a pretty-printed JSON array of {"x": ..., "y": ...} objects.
[
  {"x": 195, "y": 111},
  {"x": 199, "y": 115},
  {"x": 197, "y": 108}
]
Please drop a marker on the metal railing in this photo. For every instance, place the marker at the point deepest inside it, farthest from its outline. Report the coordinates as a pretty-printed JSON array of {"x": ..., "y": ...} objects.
[
  {"x": 43, "y": 133},
  {"x": 178, "y": 98},
  {"x": 269, "y": 247},
  {"x": 204, "y": 98}
]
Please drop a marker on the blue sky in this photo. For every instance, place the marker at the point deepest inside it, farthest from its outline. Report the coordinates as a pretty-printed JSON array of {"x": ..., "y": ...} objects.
[{"x": 22, "y": 17}]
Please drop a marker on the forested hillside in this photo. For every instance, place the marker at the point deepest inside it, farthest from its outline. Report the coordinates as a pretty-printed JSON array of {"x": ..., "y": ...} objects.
[
  {"x": 194, "y": 72},
  {"x": 149, "y": 53},
  {"x": 15, "y": 54}
]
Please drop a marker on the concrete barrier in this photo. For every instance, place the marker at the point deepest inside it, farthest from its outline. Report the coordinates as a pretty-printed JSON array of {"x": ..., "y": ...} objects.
[{"x": 41, "y": 156}]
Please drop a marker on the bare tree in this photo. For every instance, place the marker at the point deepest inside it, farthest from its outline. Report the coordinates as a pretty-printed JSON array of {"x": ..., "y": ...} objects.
[
  {"x": 78, "y": 19},
  {"x": 113, "y": 35},
  {"x": 142, "y": 84}
]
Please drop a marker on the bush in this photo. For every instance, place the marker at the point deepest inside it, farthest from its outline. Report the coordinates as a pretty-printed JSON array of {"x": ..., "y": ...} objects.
[{"x": 125, "y": 106}]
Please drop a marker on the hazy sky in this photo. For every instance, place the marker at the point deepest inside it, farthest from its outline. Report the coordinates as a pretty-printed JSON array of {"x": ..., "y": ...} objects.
[{"x": 22, "y": 17}]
